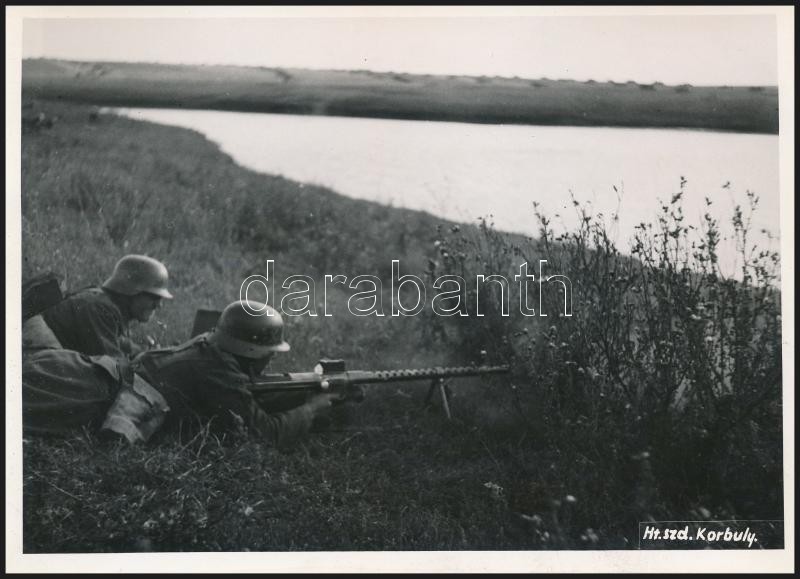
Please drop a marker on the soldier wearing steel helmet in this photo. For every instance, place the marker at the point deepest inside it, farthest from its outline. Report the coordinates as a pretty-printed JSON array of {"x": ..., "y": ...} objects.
[
  {"x": 95, "y": 321},
  {"x": 205, "y": 379}
]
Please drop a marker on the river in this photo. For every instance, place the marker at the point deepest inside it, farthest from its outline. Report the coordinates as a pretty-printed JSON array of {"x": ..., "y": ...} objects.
[{"x": 464, "y": 171}]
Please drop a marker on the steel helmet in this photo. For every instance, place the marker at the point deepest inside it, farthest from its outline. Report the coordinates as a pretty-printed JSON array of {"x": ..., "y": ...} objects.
[
  {"x": 249, "y": 329},
  {"x": 135, "y": 274}
]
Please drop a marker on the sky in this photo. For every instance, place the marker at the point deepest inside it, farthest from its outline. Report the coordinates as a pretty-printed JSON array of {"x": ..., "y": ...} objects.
[{"x": 673, "y": 48}]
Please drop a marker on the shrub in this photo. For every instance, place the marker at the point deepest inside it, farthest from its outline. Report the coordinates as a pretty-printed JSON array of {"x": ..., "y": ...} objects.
[{"x": 667, "y": 367}]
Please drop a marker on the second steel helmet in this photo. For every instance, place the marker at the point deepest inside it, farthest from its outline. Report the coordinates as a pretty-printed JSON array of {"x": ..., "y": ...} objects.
[
  {"x": 249, "y": 329},
  {"x": 135, "y": 274}
]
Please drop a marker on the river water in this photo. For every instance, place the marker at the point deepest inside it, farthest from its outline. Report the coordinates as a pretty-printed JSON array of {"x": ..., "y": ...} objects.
[{"x": 464, "y": 171}]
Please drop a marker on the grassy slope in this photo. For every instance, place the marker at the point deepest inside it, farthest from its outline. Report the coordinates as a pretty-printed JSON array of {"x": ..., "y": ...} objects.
[
  {"x": 214, "y": 223},
  {"x": 95, "y": 188},
  {"x": 369, "y": 94}
]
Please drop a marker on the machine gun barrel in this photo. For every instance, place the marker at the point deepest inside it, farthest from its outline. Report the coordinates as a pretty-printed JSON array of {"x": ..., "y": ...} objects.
[{"x": 310, "y": 381}]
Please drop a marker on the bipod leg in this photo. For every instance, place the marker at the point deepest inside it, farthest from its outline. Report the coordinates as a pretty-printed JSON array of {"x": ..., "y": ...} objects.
[
  {"x": 441, "y": 385},
  {"x": 445, "y": 390}
]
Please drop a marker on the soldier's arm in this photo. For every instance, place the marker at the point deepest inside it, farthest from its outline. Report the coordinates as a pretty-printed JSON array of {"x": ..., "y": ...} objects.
[
  {"x": 282, "y": 428},
  {"x": 233, "y": 403},
  {"x": 285, "y": 428}
]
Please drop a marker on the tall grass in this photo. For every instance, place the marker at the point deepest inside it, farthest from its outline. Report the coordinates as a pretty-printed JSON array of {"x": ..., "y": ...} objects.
[
  {"x": 658, "y": 398},
  {"x": 664, "y": 386}
]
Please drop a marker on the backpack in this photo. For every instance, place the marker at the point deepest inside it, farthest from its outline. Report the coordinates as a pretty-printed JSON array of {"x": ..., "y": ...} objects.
[{"x": 40, "y": 293}]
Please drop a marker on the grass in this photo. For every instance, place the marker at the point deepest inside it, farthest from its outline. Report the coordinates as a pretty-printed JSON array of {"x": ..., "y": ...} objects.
[
  {"x": 389, "y": 95},
  {"x": 339, "y": 491},
  {"x": 625, "y": 415}
]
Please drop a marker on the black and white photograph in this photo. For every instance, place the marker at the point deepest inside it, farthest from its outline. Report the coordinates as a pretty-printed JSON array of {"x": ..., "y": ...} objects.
[{"x": 399, "y": 289}]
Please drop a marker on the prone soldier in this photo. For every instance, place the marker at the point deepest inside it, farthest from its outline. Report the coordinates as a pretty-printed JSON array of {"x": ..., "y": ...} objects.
[
  {"x": 203, "y": 381},
  {"x": 212, "y": 380},
  {"x": 206, "y": 378},
  {"x": 95, "y": 321}
]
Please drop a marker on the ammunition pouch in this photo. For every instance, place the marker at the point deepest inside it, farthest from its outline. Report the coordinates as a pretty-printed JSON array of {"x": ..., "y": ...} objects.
[{"x": 138, "y": 411}]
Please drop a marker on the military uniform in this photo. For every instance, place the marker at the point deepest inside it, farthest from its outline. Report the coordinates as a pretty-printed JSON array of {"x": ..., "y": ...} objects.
[
  {"x": 63, "y": 390},
  {"x": 89, "y": 322},
  {"x": 201, "y": 382}
]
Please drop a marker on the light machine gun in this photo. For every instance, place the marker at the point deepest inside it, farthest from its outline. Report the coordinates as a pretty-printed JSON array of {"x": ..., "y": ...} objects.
[{"x": 331, "y": 375}]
